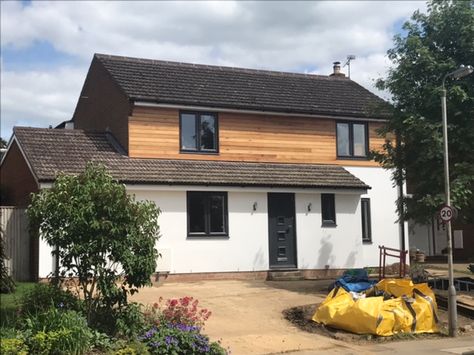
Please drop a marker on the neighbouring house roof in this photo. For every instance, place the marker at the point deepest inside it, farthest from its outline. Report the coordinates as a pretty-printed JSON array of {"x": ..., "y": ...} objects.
[
  {"x": 50, "y": 151},
  {"x": 245, "y": 89}
]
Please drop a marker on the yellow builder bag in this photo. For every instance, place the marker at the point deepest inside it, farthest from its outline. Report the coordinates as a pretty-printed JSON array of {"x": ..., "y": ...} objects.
[{"x": 413, "y": 310}]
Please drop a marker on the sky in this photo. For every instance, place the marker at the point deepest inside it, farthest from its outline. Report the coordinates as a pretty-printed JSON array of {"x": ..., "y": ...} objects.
[{"x": 47, "y": 47}]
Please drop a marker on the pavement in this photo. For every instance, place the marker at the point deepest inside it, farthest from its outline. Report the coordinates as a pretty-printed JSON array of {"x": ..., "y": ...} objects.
[{"x": 247, "y": 317}]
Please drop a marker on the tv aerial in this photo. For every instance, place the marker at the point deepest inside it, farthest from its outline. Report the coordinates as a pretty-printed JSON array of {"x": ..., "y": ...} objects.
[{"x": 348, "y": 63}]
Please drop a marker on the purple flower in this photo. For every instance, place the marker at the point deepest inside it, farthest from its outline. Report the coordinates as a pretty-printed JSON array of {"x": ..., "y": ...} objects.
[
  {"x": 155, "y": 344},
  {"x": 149, "y": 334},
  {"x": 169, "y": 340},
  {"x": 185, "y": 328}
]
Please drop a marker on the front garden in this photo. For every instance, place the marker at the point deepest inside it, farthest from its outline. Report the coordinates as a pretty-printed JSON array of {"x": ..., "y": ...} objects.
[
  {"x": 106, "y": 243},
  {"x": 46, "y": 319}
]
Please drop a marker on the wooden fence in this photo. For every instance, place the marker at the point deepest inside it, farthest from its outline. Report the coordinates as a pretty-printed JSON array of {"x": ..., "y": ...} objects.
[{"x": 14, "y": 224}]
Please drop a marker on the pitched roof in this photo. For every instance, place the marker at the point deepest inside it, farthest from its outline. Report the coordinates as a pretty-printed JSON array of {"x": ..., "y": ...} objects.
[
  {"x": 237, "y": 88},
  {"x": 50, "y": 151}
]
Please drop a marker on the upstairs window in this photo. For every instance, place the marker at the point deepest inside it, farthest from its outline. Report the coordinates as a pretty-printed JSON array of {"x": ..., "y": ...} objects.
[
  {"x": 328, "y": 210},
  {"x": 366, "y": 224},
  {"x": 352, "y": 140},
  {"x": 207, "y": 214},
  {"x": 198, "y": 132}
]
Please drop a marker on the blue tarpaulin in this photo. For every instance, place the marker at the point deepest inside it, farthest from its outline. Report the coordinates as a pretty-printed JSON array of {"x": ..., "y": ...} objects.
[{"x": 356, "y": 280}]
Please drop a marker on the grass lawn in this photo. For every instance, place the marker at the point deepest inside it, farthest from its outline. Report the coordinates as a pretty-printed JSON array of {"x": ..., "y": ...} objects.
[{"x": 9, "y": 302}]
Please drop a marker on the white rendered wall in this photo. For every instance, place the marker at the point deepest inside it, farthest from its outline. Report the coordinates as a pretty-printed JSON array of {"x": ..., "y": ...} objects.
[
  {"x": 385, "y": 228},
  {"x": 46, "y": 260},
  {"x": 246, "y": 248},
  {"x": 332, "y": 247}
]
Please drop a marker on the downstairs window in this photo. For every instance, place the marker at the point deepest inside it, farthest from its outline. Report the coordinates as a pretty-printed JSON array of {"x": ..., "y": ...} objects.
[{"x": 207, "y": 214}]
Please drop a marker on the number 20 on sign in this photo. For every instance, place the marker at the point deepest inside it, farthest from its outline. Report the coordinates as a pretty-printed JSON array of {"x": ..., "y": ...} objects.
[{"x": 446, "y": 213}]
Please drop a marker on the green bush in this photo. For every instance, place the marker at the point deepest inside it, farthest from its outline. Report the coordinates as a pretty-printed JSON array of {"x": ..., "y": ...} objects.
[
  {"x": 130, "y": 321},
  {"x": 13, "y": 346},
  {"x": 44, "y": 296},
  {"x": 7, "y": 285},
  {"x": 133, "y": 348},
  {"x": 57, "y": 332}
]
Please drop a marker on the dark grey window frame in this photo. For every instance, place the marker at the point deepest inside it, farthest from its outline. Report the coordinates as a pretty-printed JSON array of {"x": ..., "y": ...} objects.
[
  {"x": 206, "y": 196},
  {"x": 197, "y": 120},
  {"x": 366, "y": 234},
  {"x": 351, "y": 155},
  {"x": 328, "y": 198}
]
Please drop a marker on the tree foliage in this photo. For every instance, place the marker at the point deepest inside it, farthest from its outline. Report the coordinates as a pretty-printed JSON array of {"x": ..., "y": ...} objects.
[
  {"x": 101, "y": 234},
  {"x": 433, "y": 45},
  {"x": 7, "y": 285}
]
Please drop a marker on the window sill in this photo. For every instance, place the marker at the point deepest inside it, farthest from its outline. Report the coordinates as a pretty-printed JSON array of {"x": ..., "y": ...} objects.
[
  {"x": 367, "y": 242},
  {"x": 207, "y": 236},
  {"x": 198, "y": 152},
  {"x": 352, "y": 158},
  {"x": 329, "y": 225}
]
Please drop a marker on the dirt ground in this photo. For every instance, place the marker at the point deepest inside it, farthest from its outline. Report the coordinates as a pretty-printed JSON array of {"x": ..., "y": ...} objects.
[
  {"x": 249, "y": 317},
  {"x": 301, "y": 317}
]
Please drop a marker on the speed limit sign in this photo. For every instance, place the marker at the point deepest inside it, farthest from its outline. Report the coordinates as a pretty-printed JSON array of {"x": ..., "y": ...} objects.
[{"x": 446, "y": 213}]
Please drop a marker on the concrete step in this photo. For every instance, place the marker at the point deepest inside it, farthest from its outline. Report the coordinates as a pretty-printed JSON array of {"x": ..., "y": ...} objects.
[{"x": 285, "y": 275}]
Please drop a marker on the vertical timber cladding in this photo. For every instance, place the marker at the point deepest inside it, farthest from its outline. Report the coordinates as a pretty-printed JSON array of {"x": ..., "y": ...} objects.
[{"x": 154, "y": 133}]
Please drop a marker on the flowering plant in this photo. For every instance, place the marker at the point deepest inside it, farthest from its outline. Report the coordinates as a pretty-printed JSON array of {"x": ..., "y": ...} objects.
[
  {"x": 181, "y": 311},
  {"x": 179, "y": 338}
]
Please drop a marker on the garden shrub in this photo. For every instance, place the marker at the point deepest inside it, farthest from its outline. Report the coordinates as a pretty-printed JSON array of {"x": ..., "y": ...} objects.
[
  {"x": 7, "y": 285},
  {"x": 13, "y": 346},
  {"x": 133, "y": 348},
  {"x": 57, "y": 332},
  {"x": 130, "y": 321},
  {"x": 101, "y": 341},
  {"x": 179, "y": 339},
  {"x": 44, "y": 296},
  {"x": 90, "y": 217}
]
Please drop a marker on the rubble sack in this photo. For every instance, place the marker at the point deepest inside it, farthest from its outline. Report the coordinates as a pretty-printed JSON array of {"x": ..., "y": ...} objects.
[{"x": 391, "y": 306}]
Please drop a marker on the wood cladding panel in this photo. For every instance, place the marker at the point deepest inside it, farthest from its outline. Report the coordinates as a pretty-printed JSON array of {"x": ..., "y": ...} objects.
[{"x": 154, "y": 133}]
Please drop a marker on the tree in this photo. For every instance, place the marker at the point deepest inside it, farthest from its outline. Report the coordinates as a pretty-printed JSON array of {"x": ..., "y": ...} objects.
[
  {"x": 7, "y": 285},
  {"x": 101, "y": 234},
  {"x": 3, "y": 143},
  {"x": 434, "y": 44}
]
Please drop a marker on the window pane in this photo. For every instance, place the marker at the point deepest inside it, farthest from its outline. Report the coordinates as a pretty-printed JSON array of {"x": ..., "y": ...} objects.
[
  {"x": 217, "y": 214},
  {"x": 328, "y": 210},
  {"x": 196, "y": 210},
  {"x": 343, "y": 139},
  {"x": 360, "y": 148},
  {"x": 208, "y": 132},
  {"x": 366, "y": 228},
  {"x": 188, "y": 131}
]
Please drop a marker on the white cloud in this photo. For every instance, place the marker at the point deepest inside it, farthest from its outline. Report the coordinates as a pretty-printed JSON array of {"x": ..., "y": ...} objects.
[
  {"x": 272, "y": 35},
  {"x": 39, "y": 99}
]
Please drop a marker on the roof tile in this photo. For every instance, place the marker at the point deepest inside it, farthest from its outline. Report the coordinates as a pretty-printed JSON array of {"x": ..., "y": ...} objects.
[
  {"x": 51, "y": 151},
  {"x": 237, "y": 88}
]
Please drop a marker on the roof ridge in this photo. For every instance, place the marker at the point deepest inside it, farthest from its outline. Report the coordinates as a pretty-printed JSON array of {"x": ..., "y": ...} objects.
[
  {"x": 220, "y": 67},
  {"x": 57, "y": 130}
]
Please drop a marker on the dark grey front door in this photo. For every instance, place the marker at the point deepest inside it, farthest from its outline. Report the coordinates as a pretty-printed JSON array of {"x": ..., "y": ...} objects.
[{"x": 282, "y": 230}]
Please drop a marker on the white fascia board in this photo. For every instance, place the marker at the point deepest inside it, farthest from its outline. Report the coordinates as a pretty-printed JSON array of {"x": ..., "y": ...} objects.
[
  {"x": 150, "y": 187},
  {"x": 46, "y": 185},
  {"x": 254, "y": 112},
  {"x": 10, "y": 143}
]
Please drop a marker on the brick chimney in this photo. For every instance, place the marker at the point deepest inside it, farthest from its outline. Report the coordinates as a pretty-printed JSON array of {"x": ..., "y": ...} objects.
[{"x": 337, "y": 70}]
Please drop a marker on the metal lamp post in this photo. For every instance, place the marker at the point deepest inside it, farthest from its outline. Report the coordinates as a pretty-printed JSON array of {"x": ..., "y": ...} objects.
[{"x": 452, "y": 307}]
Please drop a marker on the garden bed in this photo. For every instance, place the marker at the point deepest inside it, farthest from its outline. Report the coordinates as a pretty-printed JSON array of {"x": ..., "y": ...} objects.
[{"x": 301, "y": 317}]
